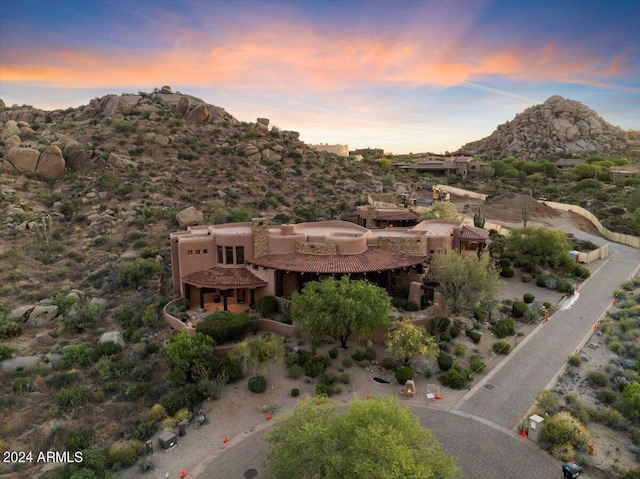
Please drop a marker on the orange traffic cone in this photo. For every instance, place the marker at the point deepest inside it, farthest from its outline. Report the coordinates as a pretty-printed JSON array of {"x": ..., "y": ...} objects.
[
  {"x": 438, "y": 396},
  {"x": 318, "y": 401},
  {"x": 614, "y": 301},
  {"x": 577, "y": 287},
  {"x": 225, "y": 439},
  {"x": 183, "y": 474},
  {"x": 523, "y": 433},
  {"x": 268, "y": 416},
  {"x": 368, "y": 396},
  {"x": 595, "y": 327},
  {"x": 546, "y": 318}
]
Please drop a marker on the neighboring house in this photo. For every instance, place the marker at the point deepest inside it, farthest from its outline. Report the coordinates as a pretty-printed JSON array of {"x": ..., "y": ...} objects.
[
  {"x": 622, "y": 172},
  {"x": 375, "y": 152},
  {"x": 454, "y": 165},
  {"x": 340, "y": 150},
  {"x": 237, "y": 263}
]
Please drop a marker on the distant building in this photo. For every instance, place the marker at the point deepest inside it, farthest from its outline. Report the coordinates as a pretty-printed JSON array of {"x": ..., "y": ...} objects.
[
  {"x": 377, "y": 152},
  {"x": 453, "y": 165},
  {"x": 625, "y": 171},
  {"x": 340, "y": 150}
]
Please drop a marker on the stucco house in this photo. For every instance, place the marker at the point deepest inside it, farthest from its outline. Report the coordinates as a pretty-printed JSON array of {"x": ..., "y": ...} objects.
[{"x": 232, "y": 265}]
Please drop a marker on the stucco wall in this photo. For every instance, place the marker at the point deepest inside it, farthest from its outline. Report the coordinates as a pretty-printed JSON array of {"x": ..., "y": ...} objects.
[{"x": 414, "y": 245}]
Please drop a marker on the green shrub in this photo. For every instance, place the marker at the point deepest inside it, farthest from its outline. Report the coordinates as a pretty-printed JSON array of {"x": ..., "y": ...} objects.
[
  {"x": 344, "y": 378},
  {"x": 134, "y": 274},
  {"x": 267, "y": 306},
  {"x": 476, "y": 364},
  {"x": 598, "y": 377},
  {"x": 145, "y": 430},
  {"x": 479, "y": 316},
  {"x": 504, "y": 328},
  {"x": 574, "y": 360},
  {"x": 504, "y": 262},
  {"x": 519, "y": 309},
  {"x": 9, "y": 329},
  {"x": 454, "y": 331},
  {"x": 333, "y": 353},
  {"x": 501, "y": 347},
  {"x": 80, "y": 438},
  {"x": 5, "y": 352},
  {"x": 507, "y": 272},
  {"x": 68, "y": 400},
  {"x": 474, "y": 335},
  {"x": 124, "y": 455},
  {"x": 526, "y": 278},
  {"x": 445, "y": 361},
  {"x": 347, "y": 362},
  {"x": 294, "y": 371},
  {"x": 224, "y": 327},
  {"x": 439, "y": 325},
  {"x": 528, "y": 298},
  {"x": 565, "y": 286},
  {"x": 62, "y": 379},
  {"x": 370, "y": 353},
  {"x": 541, "y": 282},
  {"x": 358, "y": 355},
  {"x": 606, "y": 395},
  {"x": 388, "y": 363},
  {"x": 404, "y": 374},
  {"x": 563, "y": 428},
  {"x": 445, "y": 336},
  {"x": 257, "y": 384},
  {"x": 80, "y": 354},
  {"x": 315, "y": 366},
  {"x": 187, "y": 397},
  {"x": 455, "y": 378},
  {"x": 295, "y": 392},
  {"x": 581, "y": 272},
  {"x": 460, "y": 350},
  {"x": 411, "y": 306}
]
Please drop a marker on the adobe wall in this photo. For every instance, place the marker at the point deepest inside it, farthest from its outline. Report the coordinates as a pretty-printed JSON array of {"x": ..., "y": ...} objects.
[
  {"x": 317, "y": 248},
  {"x": 413, "y": 245},
  {"x": 260, "y": 228}
]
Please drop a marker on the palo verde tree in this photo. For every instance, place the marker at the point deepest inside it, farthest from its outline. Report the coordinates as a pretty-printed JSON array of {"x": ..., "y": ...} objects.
[
  {"x": 370, "y": 439},
  {"x": 408, "y": 341},
  {"x": 189, "y": 355},
  {"x": 256, "y": 355},
  {"x": 467, "y": 282},
  {"x": 539, "y": 247},
  {"x": 340, "y": 308},
  {"x": 441, "y": 210}
]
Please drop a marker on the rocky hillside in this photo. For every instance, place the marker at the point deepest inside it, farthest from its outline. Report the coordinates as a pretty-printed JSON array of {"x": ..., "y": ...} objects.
[{"x": 557, "y": 127}]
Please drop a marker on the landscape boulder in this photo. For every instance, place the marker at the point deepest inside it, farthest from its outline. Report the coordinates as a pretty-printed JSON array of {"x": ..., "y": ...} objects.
[
  {"x": 22, "y": 313},
  {"x": 25, "y": 160},
  {"x": 112, "y": 337},
  {"x": 189, "y": 217},
  {"x": 51, "y": 163},
  {"x": 17, "y": 364},
  {"x": 10, "y": 128},
  {"x": 199, "y": 113},
  {"x": 42, "y": 314}
]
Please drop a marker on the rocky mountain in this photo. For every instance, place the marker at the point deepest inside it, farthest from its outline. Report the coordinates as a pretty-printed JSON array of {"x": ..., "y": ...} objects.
[{"x": 557, "y": 127}]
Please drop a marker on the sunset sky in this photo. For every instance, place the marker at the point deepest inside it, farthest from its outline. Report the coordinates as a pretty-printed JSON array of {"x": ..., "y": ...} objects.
[{"x": 405, "y": 76}]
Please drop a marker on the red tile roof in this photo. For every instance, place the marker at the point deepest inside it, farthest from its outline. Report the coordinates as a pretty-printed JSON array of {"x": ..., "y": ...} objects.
[
  {"x": 223, "y": 277},
  {"x": 373, "y": 259},
  {"x": 396, "y": 215},
  {"x": 473, "y": 233}
]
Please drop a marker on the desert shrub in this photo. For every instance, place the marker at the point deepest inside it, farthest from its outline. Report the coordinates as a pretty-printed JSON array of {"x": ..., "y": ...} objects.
[
  {"x": 188, "y": 396},
  {"x": 474, "y": 335},
  {"x": 295, "y": 392},
  {"x": 145, "y": 430},
  {"x": 504, "y": 328},
  {"x": 445, "y": 361},
  {"x": 526, "y": 278},
  {"x": 62, "y": 379},
  {"x": 133, "y": 274},
  {"x": 563, "y": 452},
  {"x": 344, "y": 378},
  {"x": 479, "y": 316},
  {"x": 501, "y": 347},
  {"x": 404, "y": 374},
  {"x": 505, "y": 262},
  {"x": 606, "y": 395},
  {"x": 257, "y": 384},
  {"x": 439, "y": 325},
  {"x": 411, "y": 306},
  {"x": 460, "y": 350},
  {"x": 358, "y": 355},
  {"x": 563, "y": 428},
  {"x": 455, "y": 378},
  {"x": 454, "y": 331},
  {"x": 541, "y": 282},
  {"x": 581, "y": 272},
  {"x": 80, "y": 438},
  {"x": 5, "y": 352},
  {"x": 224, "y": 327},
  {"x": 333, "y": 353},
  {"x": 267, "y": 306},
  {"x": 476, "y": 364},
  {"x": 315, "y": 366},
  {"x": 124, "y": 455},
  {"x": 398, "y": 303},
  {"x": 574, "y": 360},
  {"x": 549, "y": 402},
  {"x": 388, "y": 363},
  {"x": 347, "y": 362},
  {"x": 294, "y": 371},
  {"x": 565, "y": 286},
  {"x": 108, "y": 348},
  {"x": 507, "y": 272},
  {"x": 68, "y": 400},
  {"x": 445, "y": 336},
  {"x": 547, "y": 305},
  {"x": 370, "y": 353},
  {"x": 528, "y": 298},
  {"x": 597, "y": 377},
  {"x": 78, "y": 354},
  {"x": 9, "y": 329},
  {"x": 518, "y": 309},
  {"x": 327, "y": 390}
]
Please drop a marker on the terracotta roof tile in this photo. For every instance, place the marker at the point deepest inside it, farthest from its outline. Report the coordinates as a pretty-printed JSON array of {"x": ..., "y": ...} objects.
[
  {"x": 373, "y": 259},
  {"x": 397, "y": 215},
  {"x": 223, "y": 277},
  {"x": 473, "y": 233}
]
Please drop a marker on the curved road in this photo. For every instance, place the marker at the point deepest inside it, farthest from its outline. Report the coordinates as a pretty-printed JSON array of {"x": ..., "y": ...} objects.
[{"x": 480, "y": 430}]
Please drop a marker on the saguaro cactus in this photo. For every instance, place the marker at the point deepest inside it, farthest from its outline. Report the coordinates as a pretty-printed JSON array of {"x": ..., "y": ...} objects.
[
  {"x": 43, "y": 228},
  {"x": 478, "y": 219}
]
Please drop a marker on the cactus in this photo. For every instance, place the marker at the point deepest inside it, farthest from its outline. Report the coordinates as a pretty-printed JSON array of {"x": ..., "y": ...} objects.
[
  {"x": 526, "y": 213},
  {"x": 478, "y": 219},
  {"x": 43, "y": 228}
]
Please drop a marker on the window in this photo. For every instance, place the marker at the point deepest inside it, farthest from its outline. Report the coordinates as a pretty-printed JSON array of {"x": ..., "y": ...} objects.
[
  {"x": 239, "y": 254},
  {"x": 220, "y": 258},
  {"x": 228, "y": 250},
  {"x": 197, "y": 251},
  {"x": 205, "y": 251},
  {"x": 190, "y": 252}
]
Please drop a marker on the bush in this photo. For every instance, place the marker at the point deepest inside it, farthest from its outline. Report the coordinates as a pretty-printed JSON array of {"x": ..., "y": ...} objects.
[
  {"x": 344, "y": 378},
  {"x": 187, "y": 397},
  {"x": 454, "y": 331},
  {"x": 5, "y": 352},
  {"x": 404, "y": 374},
  {"x": 563, "y": 428},
  {"x": 541, "y": 282},
  {"x": 445, "y": 336},
  {"x": 581, "y": 272},
  {"x": 507, "y": 272},
  {"x": 439, "y": 325},
  {"x": 476, "y": 364},
  {"x": 455, "y": 379},
  {"x": 267, "y": 306},
  {"x": 606, "y": 395},
  {"x": 445, "y": 361},
  {"x": 370, "y": 353},
  {"x": 333, "y": 353},
  {"x": 347, "y": 362},
  {"x": 598, "y": 378},
  {"x": 68, "y": 400},
  {"x": 526, "y": 278},
  {"x": 460, "y": 350},
  {"x": 224, "y": 327},
  {"x": 574, "y": 360},
  {"x": 388, "y": 363},
  {"x": 519, "y": 309},
  {"x": 295, "y": 392},
  {"x": 411, "y": 306},
  {"x": 315, "y": 366},
  {"x": 501, "y": 347},
  {"x": 295, "y": 371},
  {"x": 10, "y": 329},
  {"x": 504, "y": 328},
  {"x": 565, "y": 286},
  {"x": 474, "y": 335},
  {"x": 257, "y": 384},
  {"x": 134, "y": 274},
  {"x": 528, "y": 298},
  {"x": 145, "y": 430}
]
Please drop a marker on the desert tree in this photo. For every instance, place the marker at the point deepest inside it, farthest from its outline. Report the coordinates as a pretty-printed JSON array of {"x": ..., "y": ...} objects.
[
  {"x": 539, "y": 247},
  {"x": 256, "y": 355},
  {"x": 441, "y": 210},
  {"x": 408, "y": 341},
  {"x": 189, "y": 355},
  {"x": 340, "y": 308},
  {"x": 467, "y": 282},
  {"x": 370, "y": 439}
]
